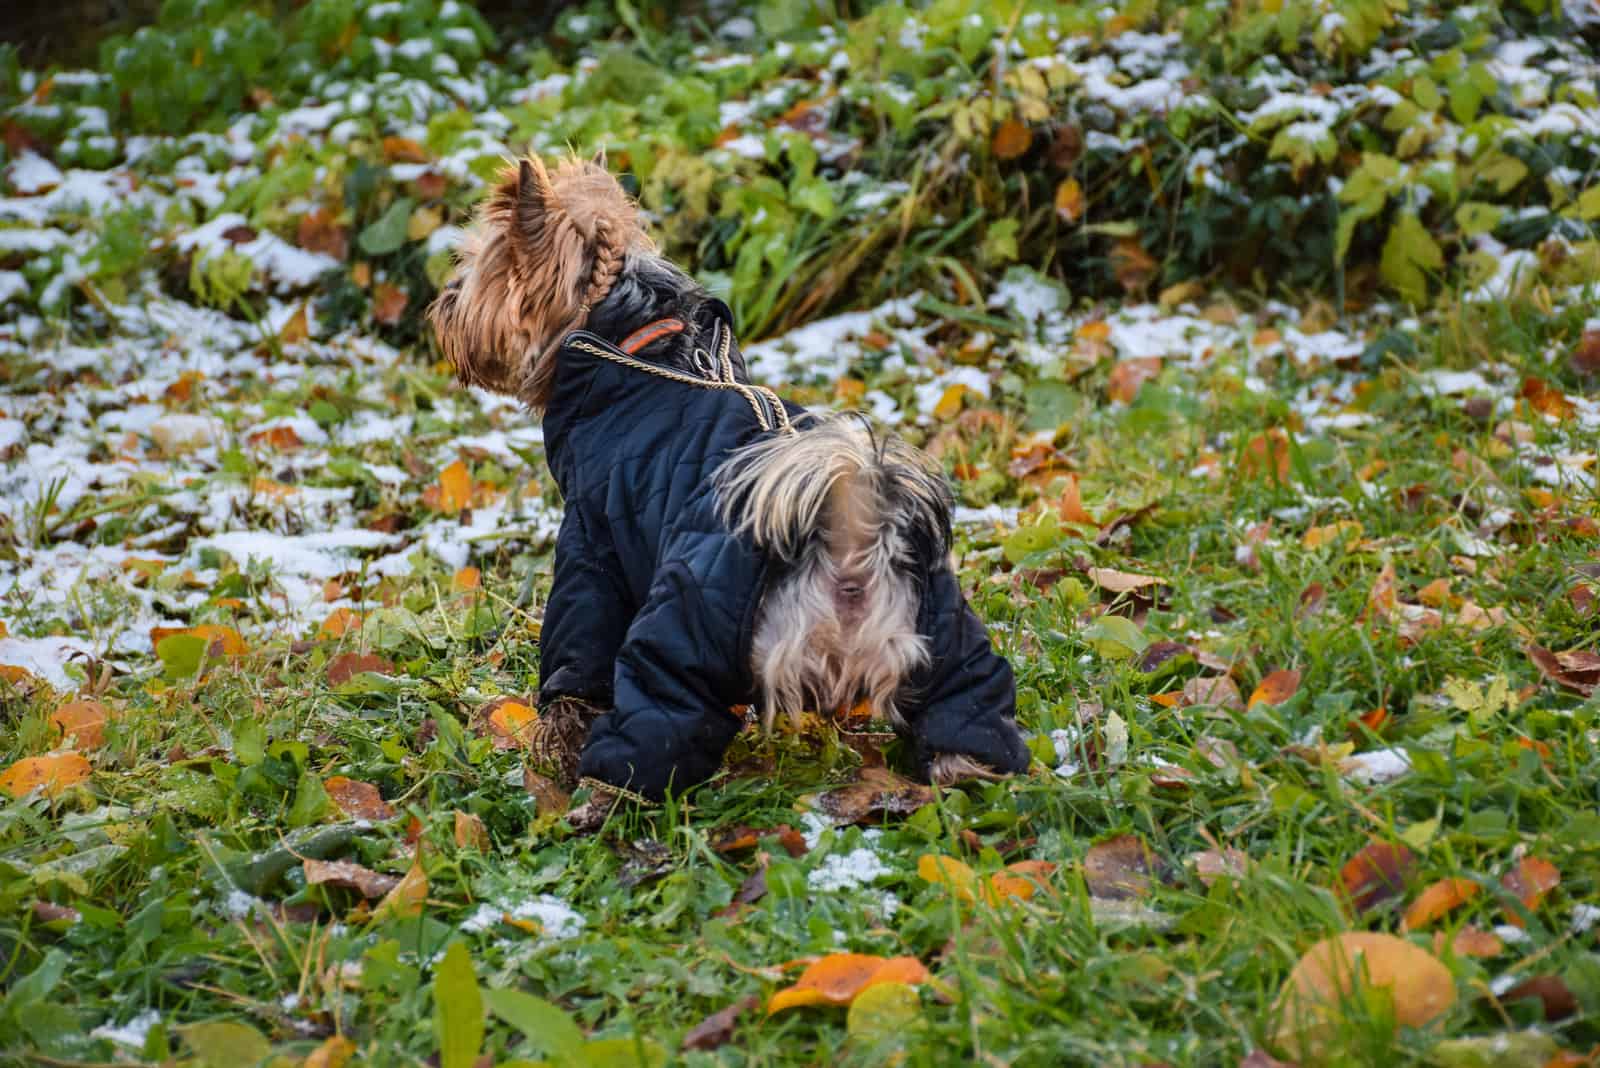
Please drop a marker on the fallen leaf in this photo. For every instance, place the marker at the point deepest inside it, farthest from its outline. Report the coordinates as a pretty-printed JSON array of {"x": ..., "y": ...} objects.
[
  {"x": 883, "y": 1009},
  {"x": 1133, "y": 266},
  {"x": 1309, "y": 1013},
  {"x": 455, "y": 488},
  {"x": 1530, "y": 881},
  {"x": 220, "y": 640},
  {"x": 1312, "y": 599},
  {"x": 470, "y": 832},
  {"x": 339, "y": 623},
  {"x": 1129, "y": 374},
  {"x": 547, "y": 795},
  {"x": 1381, "y": 599},
  {"x": 1011, "y": 139},
  {"x": 1586, "y": 353},
  {"x": 349, "y": 876},
  {"x": 346, "y": 666},
  {"x": 318, "y": 232},
  {"x": 1375, "y": 874},
  {"x": 356, "y": 799},
  {"x": 389, "y": 303},
  {"x": 1470, "y": 942},
  {"x": 1113, "y": 581},
  {"x": 1211, "y": 864},
  {"x": 1576, "y": 670},
  {"x": 278, "y": 438},
  {"x": 1507, "y": 1049},
  {"x": 949, "y": 405},
  {"x": 1546, "y": 399},
  {"x": 1021, "y": 880},
  {"x": 1275, "y": 689},
  {"x": 81, "y": 722},
  {"x": 468, "y": 578},
  {"x": 511, "y": 724},
  {"x": 1070, "y": 507},
  {"x": 1442, "y": 897},
  {"x": 948, "y": 871},
  {"x": 403, "y": 150},
  {"x": 1215, "y": 690},
  {"x": 1069, "y": 200},
  {"x": 1550, "y": 990},
  {"x": 334, "y": 1052},
  {"x": 716, "y": 1030},
  {"x": 839, "y": 978},
  {"x": 878, "y": 792},
  {"x": 1119, "y": 868},
  {"x": 405, "y": 901},
  {"x": 1331, "y": 534},
  {"x": 296, "y": 329},
  {"x": 1266, "y": 455},
  {"x": 52, "y": 773}
]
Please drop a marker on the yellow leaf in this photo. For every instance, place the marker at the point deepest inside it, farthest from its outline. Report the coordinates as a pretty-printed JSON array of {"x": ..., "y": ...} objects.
[
  {"x": 948, "y": 871},
  {"x": 406, "y": 899},
  {"x": 882, "y": 1009},
  {"x": 1311, "y": 1011},
  {"x": 296, "y": 328},
  {"x": 424, "y": 221},
  {"x": 53, "y": 774},
  {"x": 1331, "y": 534},
  {"x": 949, "y": 405},
  {"x": 1275, "y": 689},
  {"x": 220, "y": 639},
  {"x": 455, "y": 488},
  {"x": 468, "y": 578},
  {"x": 470, "y": 832},
  {"x": 1438, "y": 899},
  {"x": 795, "y": 997},
  {"x": 1069, "y": 200},
  {"x": 333, "y": 1053},
  {"x": 511, "y": 723}
]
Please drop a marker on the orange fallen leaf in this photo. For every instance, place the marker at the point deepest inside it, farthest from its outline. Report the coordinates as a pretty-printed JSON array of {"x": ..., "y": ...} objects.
[
  {"x": 346, "y": 666},
  {"x": 838, "y": 978},
  {"x": 455, "y": 488},
  {"x": 1167, "y": 700},
  {"x": 52, "y": 773},
  {"x": 1266, "y": 455},
  {"x": 949, "y": 405},
  {"x": 1530, "y": 881},
  {"x": 1070, "y": 507},
  {"x": 334, "y": 1052},
  {"x": 468, "y": 578},
  {"x": 1128, "y": 375},
  {"x": 1132, "y": 265},
  {"x": 281, "y": 438},
  {"x": 1470, "y": 942},
  {"x": 388, "y": 303},
  {"x": 511, "y": 724},
  {"x": 1546, "y": 399},
  {"x": 221, "y": 640},
  {"x": 403, "y": 150},
  {"x": 1331, "y": 534},
  {"x": 1435, "y": 594},
  {"x": 1381, "y": 601},
  {"x": 1442, "y": 897},
  {"x": 1011, "y": 139},
  {"x": 1310, "y": 1011},
  {"x": 1020, "y": 880},
  {"x": 1275, "y": 689},
  {"x": 356, "y": 799},
  {"x": 339, "y": 623},
  {"x": 82, "y": 721}
]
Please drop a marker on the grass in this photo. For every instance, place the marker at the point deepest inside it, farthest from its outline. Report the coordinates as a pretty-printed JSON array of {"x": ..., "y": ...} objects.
[{"x": 1281, "y": 468}]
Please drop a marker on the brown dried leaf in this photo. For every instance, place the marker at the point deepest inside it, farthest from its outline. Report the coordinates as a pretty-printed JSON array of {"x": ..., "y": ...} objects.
[
  {"x": 1471, "y": 942},
  {"x": 318, "y": 232},
  {"x": 389, "y": 303},
  {"x": 470, "y": 833},
  {"x": 547, "y": 796},
  {"x": 878, "y": 792},
  {"x": 348, "y": 875},
  {"x": 1217, "y": 690},
  {"x": 1442, "y": 897},
  {"x": 1120, "y": 868},
  {"x": 1530, "y": 881},
  {"x": 346, "y": 666},
  {"x": 1113, "y": 581},
  {"x": 1011, "y": 139},
  {"x": 1129, "y": 374},
  {"x": 1211, "y": 865},
  {"x": 1550, "y": 990},
  {"x": 1586, "y": 354},
  {"x": 1375, "y": 874},
  {"x": 716, "y": 1030},
  {"x": 1576, "y": 670}
]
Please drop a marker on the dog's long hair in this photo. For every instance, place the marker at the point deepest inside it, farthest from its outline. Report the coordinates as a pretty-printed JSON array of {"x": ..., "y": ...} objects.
[{"x": 851, "y": 517}]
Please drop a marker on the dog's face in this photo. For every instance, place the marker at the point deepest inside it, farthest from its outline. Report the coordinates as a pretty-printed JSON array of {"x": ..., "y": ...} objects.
[{"x": 544, "y": 248}]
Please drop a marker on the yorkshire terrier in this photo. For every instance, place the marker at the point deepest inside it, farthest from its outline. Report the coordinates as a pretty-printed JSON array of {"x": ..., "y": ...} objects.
[{"x": 720, "y": 548}]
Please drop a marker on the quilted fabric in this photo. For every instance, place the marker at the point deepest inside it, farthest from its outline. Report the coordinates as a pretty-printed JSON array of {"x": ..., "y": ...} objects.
[{"x": 653, "y": 603}]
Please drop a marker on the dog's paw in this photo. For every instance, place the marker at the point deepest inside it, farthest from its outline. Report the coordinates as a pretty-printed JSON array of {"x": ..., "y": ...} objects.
[
  {"x": 557, "y": 737},
  {"x": 947, "y": 769}
]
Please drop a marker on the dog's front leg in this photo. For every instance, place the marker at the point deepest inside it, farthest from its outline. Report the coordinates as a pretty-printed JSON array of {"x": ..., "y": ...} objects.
[{"x": 585, "y": 620}]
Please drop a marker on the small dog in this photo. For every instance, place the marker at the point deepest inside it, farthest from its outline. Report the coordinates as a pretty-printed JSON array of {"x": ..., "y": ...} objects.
[{"x": 719, "y": 548}]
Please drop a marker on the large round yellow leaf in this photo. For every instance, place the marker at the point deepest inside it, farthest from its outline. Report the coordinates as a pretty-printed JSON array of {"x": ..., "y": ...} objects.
[
  {"x": 53, "y": 774},
  {"x": 882, "y": 1009},
  {"x": 1325, "y": 990}
]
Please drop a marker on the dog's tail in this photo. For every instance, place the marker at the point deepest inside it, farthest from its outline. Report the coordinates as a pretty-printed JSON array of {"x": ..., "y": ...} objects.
[{"x": 853, "y": 516}]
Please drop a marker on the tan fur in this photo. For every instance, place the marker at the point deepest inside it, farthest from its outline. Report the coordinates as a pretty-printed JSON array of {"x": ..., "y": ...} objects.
[
  {"x": 841, "y": 626},
  {"x": 544, "y": 249},
  {"x": 951, "y": 768}
]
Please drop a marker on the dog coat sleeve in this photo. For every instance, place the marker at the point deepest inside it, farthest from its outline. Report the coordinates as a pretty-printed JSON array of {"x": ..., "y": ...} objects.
[
  {"x": 585, "y": 617},
  {"x": 964, "y": 702},
  {"x": 682, "y": 667}
]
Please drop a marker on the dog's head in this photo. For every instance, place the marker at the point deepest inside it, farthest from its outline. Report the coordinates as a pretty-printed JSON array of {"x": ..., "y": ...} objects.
[{"x": 545, "y": 248}]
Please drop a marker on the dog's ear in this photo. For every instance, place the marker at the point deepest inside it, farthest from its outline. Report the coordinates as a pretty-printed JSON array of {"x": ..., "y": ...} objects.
[{"x": 533, "y": 197}]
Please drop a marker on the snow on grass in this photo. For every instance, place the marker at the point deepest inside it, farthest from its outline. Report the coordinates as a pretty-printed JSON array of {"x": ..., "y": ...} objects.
[{"x": 847, "y": 871}]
